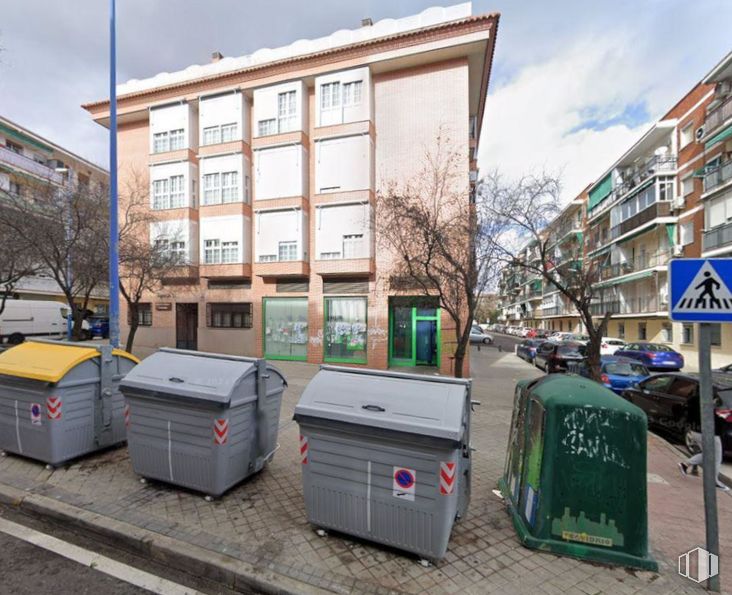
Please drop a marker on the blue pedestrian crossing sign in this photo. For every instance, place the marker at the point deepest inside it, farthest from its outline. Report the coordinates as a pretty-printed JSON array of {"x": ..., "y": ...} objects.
[{"x": 700, "y": 289}]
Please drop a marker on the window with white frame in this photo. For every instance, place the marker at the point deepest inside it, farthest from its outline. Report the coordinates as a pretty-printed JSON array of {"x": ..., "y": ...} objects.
[
  {"x": 287, "y": 251},
  {"x": 229, "y": 186},
  {"x": 220, "y": 188},
  {"x": 161, "y": 195},
  {"x": 212, "y": 252},
  {"x": 229, "y": 252},
  {"x": 687, "y": 185},
  {"x": 352, "y": 93},
  {"x": 223, "y": 133},
  {"x": 267, "y": 258},
  {"x": 686, "y": 135},
  {"x": 177, "y": 192},
  {"x": 330, "y": 96},
  {"x": 169, "y": 193},
  {"x": 267, "y": 127},
  {"x": 686, "y": 233},
  {"x": 353, "y": 246},
  {"x": 211, "y": 189},
  {"x": 330, "y": 255},
  {"x": 287, "y": 111},
  {"x": 176, "y": 249},
  {"x": 170, "y": 140}
]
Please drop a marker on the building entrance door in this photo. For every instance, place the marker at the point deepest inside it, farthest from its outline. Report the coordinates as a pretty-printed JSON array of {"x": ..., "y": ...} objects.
[
  {"x": 414, "y": 335},
  {"x": 186, "y": 326}
]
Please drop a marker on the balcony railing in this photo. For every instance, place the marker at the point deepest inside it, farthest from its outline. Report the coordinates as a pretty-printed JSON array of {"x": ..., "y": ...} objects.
[
  {"x": 717, "y": 237},
  {"x": 639, "y": 263},
  {"x": 657, "y": 209},
  {"x": 29, "y": 165},
  {"x": 718, "y": 176},
  {"x": 718, "y": 116},
  {"x": 639, "y": 305}
]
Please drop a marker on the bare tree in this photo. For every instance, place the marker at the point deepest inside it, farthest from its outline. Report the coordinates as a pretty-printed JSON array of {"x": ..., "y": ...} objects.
[
  {"x": 437, "y": 238},
  {"x": 63, "y": 228},
  {"x": 16, "y": 262},
  {"x": 143, "y": 264},
  {"x": 523, "y": 211}
]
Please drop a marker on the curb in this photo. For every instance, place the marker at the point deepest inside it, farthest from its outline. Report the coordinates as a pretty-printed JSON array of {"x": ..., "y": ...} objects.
[{"x": 183, "y": 556}]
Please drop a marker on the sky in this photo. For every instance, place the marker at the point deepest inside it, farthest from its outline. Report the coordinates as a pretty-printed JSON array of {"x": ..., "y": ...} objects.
[{"x": 574, "y": 82}]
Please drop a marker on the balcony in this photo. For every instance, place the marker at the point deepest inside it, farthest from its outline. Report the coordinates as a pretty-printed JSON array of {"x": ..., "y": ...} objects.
[
  {"x": 558, "y": 311},
  {"x": 30, "y": 166},
  {"x": 640, "y": 305},
  {"x": 717, "y": 237},
  {"x": 719, "y": 175},
  {"x": 282, "y": 268},
  {"x": 639, "y": 263},
  {"x": 657, "y": 164},
  {"x": 344, "y": 267},
  {"x": 657, "y": 209},
  {"x": 226, "y": 271},
  {"x": 182, "y": 275},
  {"x": 718, "y": 116}
]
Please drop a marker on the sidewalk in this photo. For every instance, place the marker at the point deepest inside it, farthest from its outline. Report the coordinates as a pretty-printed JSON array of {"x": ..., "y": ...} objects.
[{"x": 257, "y": 535}]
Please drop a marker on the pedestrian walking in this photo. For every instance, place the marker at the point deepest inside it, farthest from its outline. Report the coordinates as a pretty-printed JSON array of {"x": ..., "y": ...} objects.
[{"x": 692, "y": 464}]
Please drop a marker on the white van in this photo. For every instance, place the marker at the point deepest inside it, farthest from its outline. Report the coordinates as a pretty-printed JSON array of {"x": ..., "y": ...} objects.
[{"x": 32, "y": 318}]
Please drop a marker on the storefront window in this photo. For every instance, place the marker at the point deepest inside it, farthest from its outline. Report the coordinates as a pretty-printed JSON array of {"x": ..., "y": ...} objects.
[
  {"x": 345, "y": 330},
  {"x": 286, "y": 328}
]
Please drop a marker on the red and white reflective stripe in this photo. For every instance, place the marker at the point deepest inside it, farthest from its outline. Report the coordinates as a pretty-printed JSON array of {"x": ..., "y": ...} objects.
[
  {"x": 127, "y": 416},
  {"x": 447, "y": 478},
  {"x": 221, "y": 431},
  {"x": 304, "y": 450},
  {"x": 53, "y": 407}
]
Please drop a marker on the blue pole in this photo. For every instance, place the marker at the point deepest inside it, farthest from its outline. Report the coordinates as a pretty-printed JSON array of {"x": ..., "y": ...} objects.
[{"x": 113, "y": 226}]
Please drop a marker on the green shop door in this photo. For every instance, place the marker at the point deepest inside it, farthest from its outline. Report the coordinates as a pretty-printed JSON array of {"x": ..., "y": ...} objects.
[{"x": 414, "y": 336}]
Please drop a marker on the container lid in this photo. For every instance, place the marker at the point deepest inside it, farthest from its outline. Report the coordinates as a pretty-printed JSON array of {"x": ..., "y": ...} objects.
[
  {"x": 403, "y": 403},
  {"x": 48, "y": 362},
  {"x": 188, "y": 375}
]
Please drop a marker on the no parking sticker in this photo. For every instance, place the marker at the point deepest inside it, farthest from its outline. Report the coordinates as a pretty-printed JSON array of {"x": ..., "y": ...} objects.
[
  {"x": 403, "y": 483},
  {"x": 35, "y": 412}
]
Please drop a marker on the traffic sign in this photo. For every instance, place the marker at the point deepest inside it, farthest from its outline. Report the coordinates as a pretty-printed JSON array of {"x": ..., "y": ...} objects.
[{"x": 700, "y": 290}]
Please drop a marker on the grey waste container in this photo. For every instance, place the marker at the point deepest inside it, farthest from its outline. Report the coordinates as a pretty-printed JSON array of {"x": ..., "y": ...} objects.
[
  {"x": 386, "y": 456},
  {"x": 59, "y": 401},
  {"x": 203, "y": 421}
]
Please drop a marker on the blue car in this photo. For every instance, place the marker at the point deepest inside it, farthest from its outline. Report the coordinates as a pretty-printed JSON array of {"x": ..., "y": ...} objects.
[
  {"x": 654, "y": 356},
  {"x": 619, "y": 373},
  {"x": 527, "y": 349},
  {"x": 99, "y": 327}
]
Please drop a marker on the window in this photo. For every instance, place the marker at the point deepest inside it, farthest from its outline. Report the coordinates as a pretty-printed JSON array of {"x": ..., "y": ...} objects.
[
  {"x": 330, "y": 255},
  {"x": 716, "y": 334},
  {"x": 267, "y": 127},
  {"x": 665, "y": 189},
  {"x": 287, "y": 251},
  {"x": 687, "y": 185},
  {"x": 229, "y": 186},
  {"x": 229, "y": 252},
  {"x": 171, "y": 140},
  {"x": 14, "y": 147},
  {"x": 144, "y": 314},
  {"x": 211, "y": 252},
  {"x": 330, "y": 96},
  {"x": 229, "y": 132},
  {"x": 267, "y": 258},
  {"x": 642, "y": 331},
  {"x": 352, "y": 246},
  {"x": 345, "y": 329},
  {"x": 285, "y": 328},
  {"x": 352, "y": 93},
  {"x": 229, "y": 315},
  {"x": 667, "y": 332},
  {"x": 657, "y": 384},
  {"x": 686, "y": 388},
  {"x": 178, "y": 249},
  {"x": 169, "y": 193},
  {"x": 177, "y": 192},
  {"x": 161, "y": 198},
  {"x": 286, "y": 111},
  {"x": 686, "y": 135},
  {"x": 211, "y": 189},
  {"x": 15, "y": 189},
  {"x": 621, "y": 330},
  {"x": 220, "y": 187},
  {"x": 687, "y": 334},
  {"x": 686, "y": 233},
  {"x": 224, "y": 133}
]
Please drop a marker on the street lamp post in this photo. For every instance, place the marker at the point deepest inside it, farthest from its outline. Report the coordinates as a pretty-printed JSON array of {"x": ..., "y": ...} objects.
[{"x": 113, "y": 225}]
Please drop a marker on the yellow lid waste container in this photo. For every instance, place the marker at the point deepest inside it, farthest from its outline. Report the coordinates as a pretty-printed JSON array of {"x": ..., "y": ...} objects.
[{"x": 59, "y": 401}]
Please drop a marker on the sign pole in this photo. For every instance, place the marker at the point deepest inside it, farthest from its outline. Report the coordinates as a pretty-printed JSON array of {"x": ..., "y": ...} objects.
[
  {"x": 706, "y": 405},
  {"x": 113, "y": 225}
]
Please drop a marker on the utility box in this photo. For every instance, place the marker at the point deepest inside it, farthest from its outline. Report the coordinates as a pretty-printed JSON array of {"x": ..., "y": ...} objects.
[
  {"x": 386, "y": 456},
  {"x": 203, "y": 421},
  {"x": 59, "y": 401},
  {"x": 575, "y": 475}
]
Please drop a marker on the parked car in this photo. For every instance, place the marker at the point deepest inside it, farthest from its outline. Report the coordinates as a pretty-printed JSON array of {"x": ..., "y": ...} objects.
[
  {"x": 527, "y": 349},
  {"x": 725, "y": 369},
  {"x": 577, "y": 338},
  {"x": 610, "y": 345},
  {"x": 559, "y": 336},
  {"x": 99, "y": 327},
  {"x": 618, "y": 373},
  {"x": 671, "y": 402},
  {"x": 477, "y": 335},
  {"x": 557, "y": 357},
  {"x": 542, "y": 333},
  {"x": 32, "y": 318},
  {"x": 655, "y": 356}
]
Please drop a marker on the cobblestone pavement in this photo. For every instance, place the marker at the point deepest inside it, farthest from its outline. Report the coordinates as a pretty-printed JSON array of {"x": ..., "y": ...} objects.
[{"x": 262, "y": 521}]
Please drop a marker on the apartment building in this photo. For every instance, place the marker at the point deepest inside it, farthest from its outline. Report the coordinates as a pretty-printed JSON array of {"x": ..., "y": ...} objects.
[
  {"x": 264, "y": 172},
  {"x": 27, "y": 158},
  {"x": 668, "y": 196}
]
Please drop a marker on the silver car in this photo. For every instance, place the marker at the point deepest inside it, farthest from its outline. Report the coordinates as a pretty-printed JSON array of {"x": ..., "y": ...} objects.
[{"x": 478, "y": 335}]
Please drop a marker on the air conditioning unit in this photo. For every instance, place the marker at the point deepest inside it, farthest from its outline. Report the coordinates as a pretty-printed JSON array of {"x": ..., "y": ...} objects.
[
  {"x": 679, "y": 202},
  {"x": 678, "y": 250},
  {"x": 699, "y": 134},
  {"x": 722, "y": 88},
  {"x": 663, "y": 299}
]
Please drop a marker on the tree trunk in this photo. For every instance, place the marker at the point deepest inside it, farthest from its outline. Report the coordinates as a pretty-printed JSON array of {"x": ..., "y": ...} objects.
[
  {"x": 463, "y": 342},
  {"x": 594, "y": 363},
  {"x": 134, "y": 323}
]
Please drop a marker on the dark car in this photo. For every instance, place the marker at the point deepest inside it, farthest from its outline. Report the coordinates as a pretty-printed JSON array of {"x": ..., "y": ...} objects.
[
  {"x": 618, "y": 373},
  {"x": 99, "y": 327},
  {"x": 527, "y": 349},
  {"x": 654, "y": 356},
  {"x": 725, "y": 369},
  {"x": 558, "y": 357},
  {"x": 671, "y": 402}
]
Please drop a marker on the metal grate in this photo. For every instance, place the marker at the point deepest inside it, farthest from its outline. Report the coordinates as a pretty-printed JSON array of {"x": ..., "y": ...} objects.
[
  {"x": 293, "y": 286},
  {"x": 346, "y": 286}
]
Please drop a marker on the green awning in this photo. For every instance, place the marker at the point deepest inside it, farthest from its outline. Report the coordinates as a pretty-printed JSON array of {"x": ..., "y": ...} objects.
[
  {"x": 600, "y": 192},
  {"x": 628, "y": 279},
  {"x": 24, "y": 138},
  {"x": 724, "y": 135},
  {"x": 671, "y": 230}
]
